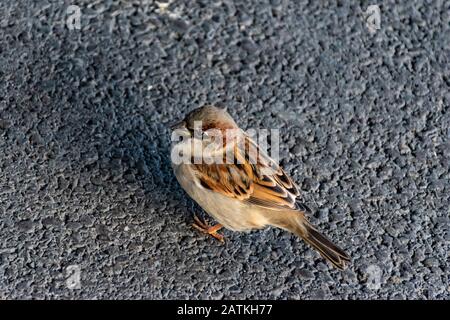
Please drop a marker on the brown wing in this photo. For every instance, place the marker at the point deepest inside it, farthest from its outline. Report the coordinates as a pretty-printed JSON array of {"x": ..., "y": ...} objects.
[{"x": 253, "y": 177}]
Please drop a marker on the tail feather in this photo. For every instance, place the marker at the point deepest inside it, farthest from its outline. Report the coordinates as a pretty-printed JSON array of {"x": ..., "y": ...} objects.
[
  {"x": 326, "y": 248},
  {"x": 302, "y": 228}
]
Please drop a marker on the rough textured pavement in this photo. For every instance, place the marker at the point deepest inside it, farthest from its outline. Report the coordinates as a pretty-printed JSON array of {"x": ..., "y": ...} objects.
[{"x": 85, "y": 176}]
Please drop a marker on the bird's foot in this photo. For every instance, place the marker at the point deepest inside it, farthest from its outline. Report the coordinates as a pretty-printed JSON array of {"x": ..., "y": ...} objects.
[{"x": 204, "y": 227}]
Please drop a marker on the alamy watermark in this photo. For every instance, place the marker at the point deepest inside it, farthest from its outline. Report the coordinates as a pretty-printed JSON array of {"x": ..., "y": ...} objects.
[
  {"x": 373, "y": 18},
  {"x": 73, "y": 20},
  {"x": 375, "y": 274},
  {"x": 228, "y": 146},
  {"x": 34, "y": 16},
  {"x": 73, "y": 277}
]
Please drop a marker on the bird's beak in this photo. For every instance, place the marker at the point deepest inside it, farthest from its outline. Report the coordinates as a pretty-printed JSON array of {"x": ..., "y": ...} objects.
[{"x": 178, "y": 125}]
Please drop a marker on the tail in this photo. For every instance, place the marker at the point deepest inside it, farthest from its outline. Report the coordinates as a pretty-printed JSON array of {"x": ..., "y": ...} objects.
[{"x": 327, "y": 249}]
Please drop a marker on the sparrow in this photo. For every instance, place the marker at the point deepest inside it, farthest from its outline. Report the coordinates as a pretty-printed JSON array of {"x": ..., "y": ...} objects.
[{"x": 237, "y": 183}]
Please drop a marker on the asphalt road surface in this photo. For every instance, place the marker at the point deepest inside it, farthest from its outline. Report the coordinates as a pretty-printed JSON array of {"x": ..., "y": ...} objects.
[{"x": 89, "y": 207}]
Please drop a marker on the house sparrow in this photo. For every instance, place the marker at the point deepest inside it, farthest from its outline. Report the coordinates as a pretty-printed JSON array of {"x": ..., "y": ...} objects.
[{"x": 249, "y": 192}]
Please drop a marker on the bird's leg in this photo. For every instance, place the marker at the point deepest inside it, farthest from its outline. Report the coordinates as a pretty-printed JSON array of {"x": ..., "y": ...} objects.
[{"x": 204, "y": 227}]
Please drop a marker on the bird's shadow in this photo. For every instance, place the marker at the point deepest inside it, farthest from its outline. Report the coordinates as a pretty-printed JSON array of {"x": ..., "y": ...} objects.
[{"x": 151, "y": 164}]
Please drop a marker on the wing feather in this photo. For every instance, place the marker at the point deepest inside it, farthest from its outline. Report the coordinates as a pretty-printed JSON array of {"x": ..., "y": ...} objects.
[{"x": 253, "y": 177}]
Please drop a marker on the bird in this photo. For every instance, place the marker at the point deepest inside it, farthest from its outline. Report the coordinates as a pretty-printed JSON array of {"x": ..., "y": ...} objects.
[{"x": 237, "y": 183}]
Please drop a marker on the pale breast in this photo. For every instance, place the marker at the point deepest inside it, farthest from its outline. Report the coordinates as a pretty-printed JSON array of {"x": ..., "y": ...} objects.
[{"x": 231, "y": 213}]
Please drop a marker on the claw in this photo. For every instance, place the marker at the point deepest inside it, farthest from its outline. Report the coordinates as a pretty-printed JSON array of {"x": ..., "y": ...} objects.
[{"x": 204, "y": 227}]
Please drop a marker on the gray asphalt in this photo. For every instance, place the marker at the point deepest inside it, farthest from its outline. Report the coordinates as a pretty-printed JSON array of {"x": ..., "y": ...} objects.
[{"x": 85, "y": 176}]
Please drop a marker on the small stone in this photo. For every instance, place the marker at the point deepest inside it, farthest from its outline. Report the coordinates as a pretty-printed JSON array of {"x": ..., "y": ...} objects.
[
  {"x": 431, "y": 262},
  {"x": 306, "y": 274},
  {"x": 25, "y": 225},
  {"x": 276, "y": 292},
  {"x": 73, "y": 225},
  {"x": 180, "y": 25},
  {"x": 319, "y": 294},
  {"x": 50, "y": 221}
]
